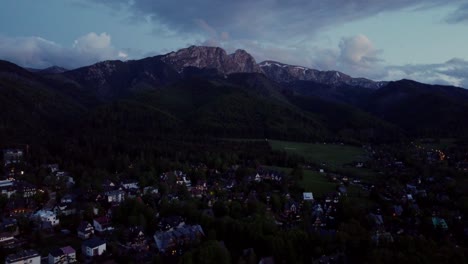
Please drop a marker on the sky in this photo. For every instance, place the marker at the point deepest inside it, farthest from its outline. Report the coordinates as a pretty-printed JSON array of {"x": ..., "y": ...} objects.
[{"x": 423, "y": 40}]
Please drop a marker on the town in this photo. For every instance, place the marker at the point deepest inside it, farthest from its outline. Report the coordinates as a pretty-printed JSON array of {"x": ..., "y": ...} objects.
[{"x": 245, "y": 212}]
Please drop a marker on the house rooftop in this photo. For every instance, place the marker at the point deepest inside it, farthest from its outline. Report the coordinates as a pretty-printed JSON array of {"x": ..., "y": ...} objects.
[
  {"x": 68, "y": 250},
  {"x": 57, "y": 252},
  {"x": 94, "y": 242},
  {"x": 164, "y": 239},
  {"x": 308, "y": 196},
  {"x": 102, "y": 220},
  {"x": 22, "y": 255},
  {"x": 83, "y": 225}
]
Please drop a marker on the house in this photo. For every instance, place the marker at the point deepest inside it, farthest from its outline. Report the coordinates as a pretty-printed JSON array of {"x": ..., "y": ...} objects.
[
  {"x": 65, "y": 176},
  {"x": 397, "y": 210},
  {"x": 64, "y": 209},
  {"x": 382, "y": 237},
  {"x": 11, "y": 156},
  {"x": 52, "y": 167},
  {"x": 291, "y": 208},
  {"x": 168, "y": 242},
  {"x": 377, "y": 219},
  {"x": 150, "y": 190},
  {"x": 85, "y": 230},
  {"x": 47, "y": 219},
  {"x": 438, "y": 222},
  {"x": 102, "y": 224},
  {"x": 184, "y": 180},
  {"x": 7, "y": 183},
  {"x": 134, "y": 238},
  {"x": 130, "y": 184},
  {"x": 317, "y": 210},
  {"x": 343, "y": 190},
  {"x": 93, "y": 247},
  {"x": 67, "y": 199},
  {"x": 63, "y": 255},
  {"x": 19, "y": 206},
  {"x": 411, "y": 188},
  {"x": 115, "y": 196},
  {"x": 7, "y": 188},
  {"x": 9, "y": 225},
  {"x": 26, "y": 256},
  {"x": 25, "y": 189},
  {"x": 6, "y": 238},
  {"x": 108, "y": 185},
  {"x": 308, "y": 196},
  {"x": 330, "y": 259},
  {"x": 320, "y": 221},
  {"x": 267, "y": 260},
  {"x": 171, "y": 222}
]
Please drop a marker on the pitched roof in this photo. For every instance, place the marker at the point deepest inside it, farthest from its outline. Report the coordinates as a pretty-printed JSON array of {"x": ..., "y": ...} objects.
[
  {"x": 25, "y": 254},
  {"x": 56, "y": 252},
  {"x": 83, "y": 225},
  {"x": 94, "y": 242},
  {"x": 103, "y": 220},
  {"x": 164, "y": 239},
  {"x": 68, "y": 250}
]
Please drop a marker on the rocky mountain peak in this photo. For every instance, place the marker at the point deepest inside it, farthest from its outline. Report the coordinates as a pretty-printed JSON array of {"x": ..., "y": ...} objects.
[{"x": 212, "y": 57}]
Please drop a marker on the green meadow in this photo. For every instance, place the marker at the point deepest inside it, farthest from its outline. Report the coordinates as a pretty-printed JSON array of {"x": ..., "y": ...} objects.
[{"x": 333, "y": 155}]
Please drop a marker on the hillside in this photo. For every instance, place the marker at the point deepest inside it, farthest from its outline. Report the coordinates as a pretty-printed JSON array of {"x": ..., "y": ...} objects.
[
  {"x": 204, "y": 92},
  {"x": 29, "y": 107},
  {"x": 421, "y": 109}
]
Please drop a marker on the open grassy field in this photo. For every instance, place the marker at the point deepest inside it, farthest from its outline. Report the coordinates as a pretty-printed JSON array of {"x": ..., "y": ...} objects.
[
  {"x": 317, "y": 183},
  {"x": 313, "y": 181},
  {"x": 332, "y": 155},
  {"x": 364, "y": 174}
]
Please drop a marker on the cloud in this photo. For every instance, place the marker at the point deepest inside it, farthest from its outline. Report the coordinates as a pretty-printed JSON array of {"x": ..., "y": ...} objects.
[
  {"x": 285, "y": 31},
  {"x": 355, "y": 55},
  {"x": 358, "y": 57},
  {"x": 453, "y": 72},
  {"x": 92, "y": 42},
  {"x": 269, "y": 20},
  {"x": 358, "y": 52},
  {"x": 37, "y": 52},
  {"x": 459, "y": 15}
]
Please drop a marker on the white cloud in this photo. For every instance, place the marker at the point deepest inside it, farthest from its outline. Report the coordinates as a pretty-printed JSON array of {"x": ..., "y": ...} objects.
[
  {"x": 122, "y": 55},
  {"x": 92, "y": 42},
  {"x": 358, "y": 51},
  {"x": 355, "y": 55},
  {"x": 452, "y": 72},
  {"x": 36, "y": 52},
  {"x": 358, "y": 57}
]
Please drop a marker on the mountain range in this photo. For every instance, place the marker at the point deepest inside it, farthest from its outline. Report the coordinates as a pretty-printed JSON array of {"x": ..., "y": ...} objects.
[{"x": 203, "y": 91}]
